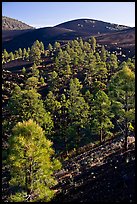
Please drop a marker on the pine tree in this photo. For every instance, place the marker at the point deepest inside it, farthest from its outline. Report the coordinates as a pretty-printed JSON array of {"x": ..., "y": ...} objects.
[
  {"x": 11, "y": 56},
  {"x": 20, "y": 52},
  {"x": 78, "y": 111},
  {"x": 92, "y": 40},
  {"x": 31, "y": 164},
  {"x": 24, "y": 53},
  {"x": 6, "y": 55},
  {"x": 112, "y": 65},
  {"x": 51, "y": 104},
  {"x": 103, "y": 54},
  {"x": 23, "y": 70},
  {"x": 56, "y": 46},
  {"x": 34, "y": 71},
  {"x": 32, "y": 83},
  {"x": 50, "y": 48},
  {"x": 101, "y": 115},
  {"x": 53, "y": 80},
  {"x": 16, "y": 54},
  {"x": 122, "y": 92},
  {"x": 41, "y": 46},
  {"x": 35, "y": 53},
  {"x": 27, "y": 104}
]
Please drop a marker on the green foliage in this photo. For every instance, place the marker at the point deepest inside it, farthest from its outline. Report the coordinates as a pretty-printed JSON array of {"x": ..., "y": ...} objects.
[
  {"x": 41, "y": 47},
  {"x": 34, "y": 71},
  {"x": 50, "y": 48},
  {"x": 122, "y": 93},
  {"x": 31, "y": 163},
  {"x": 76, "y": 77},
  {"x": 11, "y": 56},
  {"x": 92, "y": 40},
  {"x": 112, "y": 65},
  {"x": 32, "y": 83},
  {"x": 27, "y": 104},
  {"x": 24, "y": 53},
  {"x": 20, "y": 52},
  {"x": 16, "y": 55},
  {"x": 35, "y": 53},
  {"x": 6, "y": 55},
  {"x": 103, "y": 54},
  {"x": 56, "y": 46},
  {"x": 53, "y": 79},
  {"x": 101, "y": 115},
  {"x": 23, "y": 70},
  {"x": 42, "y": 82},
  {"x": 87, "y": 96},
  {"x": 51, "y": 103},
  {"x": 77, "y": 109}
]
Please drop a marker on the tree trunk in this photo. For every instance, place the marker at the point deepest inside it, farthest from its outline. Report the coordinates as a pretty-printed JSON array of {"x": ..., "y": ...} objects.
[
  {"x": 126, "y": 123},
  {"x": 28, "y": 179},
  {"x": 101, "y": 135},
  {"x": 126, "y": 134}
]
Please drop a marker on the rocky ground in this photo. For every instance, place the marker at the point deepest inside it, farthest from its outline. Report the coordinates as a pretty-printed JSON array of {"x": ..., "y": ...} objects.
[{"x": 103, "y": 174}]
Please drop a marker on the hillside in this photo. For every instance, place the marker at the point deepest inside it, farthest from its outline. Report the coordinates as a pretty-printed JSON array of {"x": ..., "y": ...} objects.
[
  {"x": 12, "y": 28},
  {"x": 13, "y": 24},
  {"x": 83, "y": 97},
  {"x": 46, "y": 35},
  {"x": 105, "y": 173},
  {"x": 121, "y": 38},
  {"x": 112, "y": 35},
  {"x": 90, "y": 26}
]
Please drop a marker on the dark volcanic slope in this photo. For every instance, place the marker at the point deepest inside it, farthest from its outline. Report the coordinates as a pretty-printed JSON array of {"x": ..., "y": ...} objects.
[
  {"x": 13, "y": 24},
  {"x": 104, "y": 174},
  {"x": 46, "y": 35},
  {"x": 123, "y": 38},
  {"x": 104, "y": 32},
  {"x": 90, "y": 26},
  {"x": 12, "y": 28},
  {"x": 8, "y": 35}
]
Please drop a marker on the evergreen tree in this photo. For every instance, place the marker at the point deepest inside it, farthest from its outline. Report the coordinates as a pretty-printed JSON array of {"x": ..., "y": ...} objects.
[
  {"x": 27, "y": 57},
  {"x": 53, "y": 80},
  {"x": 16, "y": 54},
  {"x": 11, "y": 56},
  {"x": 50, "y": 48},
  {"x": 34, "y": 71},
  {"x": 56, "y": 46},
  {"x": 101, "y": 115},
  {"x": 78, "y": 111},
  {"x": 31, "y": 164},
  {"x": 51, "y": 104},
  {"x": 98, "y": 59},
  {"x": 131, "y": 64},
  {"x": 41, "y": 46},
  {"x": 122, "y": 92},
  {"x": 68, "y": 70},
  {"x": 24, "y": 53},
  {"x": 35, "y": 53},
  {"x": 23, "y": 70},
  {"x": 6, "y": 55},
  {"x": 103, "y": 54},
  {"x": 42, "y": 82},
  {"x": 20, "y": 52},
  {"x": 28, "y": 50},
  {"x": 92, "y": 40},
  {"x": 26, "y": 104},
  {"x": 32, "y": 83},
  {"x": 112, "y": 65}
]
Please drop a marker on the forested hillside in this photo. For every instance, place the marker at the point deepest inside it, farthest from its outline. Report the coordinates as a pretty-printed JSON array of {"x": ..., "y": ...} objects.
[{"x": 58, "y": 103}]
